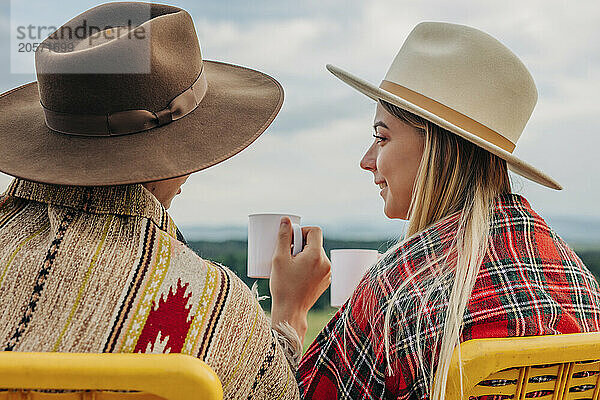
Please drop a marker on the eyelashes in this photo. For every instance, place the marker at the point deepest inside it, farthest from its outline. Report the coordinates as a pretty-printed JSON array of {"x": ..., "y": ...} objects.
[{"x": 379, "y": 139}]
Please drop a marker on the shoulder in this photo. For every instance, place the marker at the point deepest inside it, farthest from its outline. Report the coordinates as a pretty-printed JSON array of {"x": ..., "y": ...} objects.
[
  {"x": 188, "y": 263},
  {"x": 202, "y": 279},
  {"x": 405, "y": 259},
  {"x": 513, "y": 214},
  {"x": 188, "y": 284},
  {"x": 211, "y": 283},
  {"x": 520, "y": 234}
]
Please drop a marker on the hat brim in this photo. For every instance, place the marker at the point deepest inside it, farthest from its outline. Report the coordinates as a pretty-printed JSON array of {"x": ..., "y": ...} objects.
[
  {"x": 514, "y": 163},
  {"x": 240, "y": 103}
]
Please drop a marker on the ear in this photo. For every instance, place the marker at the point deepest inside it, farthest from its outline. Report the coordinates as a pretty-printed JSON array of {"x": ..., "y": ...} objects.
[{"x": 150, "y": 186}]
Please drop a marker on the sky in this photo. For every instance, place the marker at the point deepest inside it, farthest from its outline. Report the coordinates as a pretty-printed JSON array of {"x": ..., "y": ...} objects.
[{"x": 307, "y": 162}]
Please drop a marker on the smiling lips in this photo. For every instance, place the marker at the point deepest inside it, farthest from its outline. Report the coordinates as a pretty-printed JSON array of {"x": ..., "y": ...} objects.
[{"x": 382, "y": 186}]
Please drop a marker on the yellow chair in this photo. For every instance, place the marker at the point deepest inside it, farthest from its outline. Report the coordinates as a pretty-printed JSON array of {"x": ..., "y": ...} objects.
[
  {"x": 555, "y": 367},
  {"x": 144, "y": 376}
]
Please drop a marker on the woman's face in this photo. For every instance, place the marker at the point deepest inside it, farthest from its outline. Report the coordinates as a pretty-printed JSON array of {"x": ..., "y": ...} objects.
[
  {"x": 165, "y": 190},
  {"x": 394, "y": 159}
]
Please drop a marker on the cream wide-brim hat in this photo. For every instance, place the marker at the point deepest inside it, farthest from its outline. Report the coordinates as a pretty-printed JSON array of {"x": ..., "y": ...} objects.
[{"x": 465, "y": 81}]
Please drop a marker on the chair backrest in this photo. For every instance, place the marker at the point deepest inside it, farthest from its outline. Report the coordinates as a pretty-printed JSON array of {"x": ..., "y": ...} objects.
[
  {"x": 107, "y": 376},
  {"x": 554, "y": 367}
]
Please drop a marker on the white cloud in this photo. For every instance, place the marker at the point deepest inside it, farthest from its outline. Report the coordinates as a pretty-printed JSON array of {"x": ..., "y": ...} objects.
[
  {"x": 308, "y": 162},
  {"x": 287, "y": 47},
  {"x": 314, "y": 173}
]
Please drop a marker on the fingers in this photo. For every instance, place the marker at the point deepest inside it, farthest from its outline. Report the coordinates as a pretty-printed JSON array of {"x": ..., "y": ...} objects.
[
  {"x": 314, "y": 236},
  {"x": 284, "y": 240}
]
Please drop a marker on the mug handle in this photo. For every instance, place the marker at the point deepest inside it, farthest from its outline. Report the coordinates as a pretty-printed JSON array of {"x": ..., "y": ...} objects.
[{"x": 297, "y": 247}]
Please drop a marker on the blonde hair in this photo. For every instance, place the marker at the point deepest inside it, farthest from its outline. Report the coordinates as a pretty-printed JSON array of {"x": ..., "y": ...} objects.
[{"x": 454, "y": 176}]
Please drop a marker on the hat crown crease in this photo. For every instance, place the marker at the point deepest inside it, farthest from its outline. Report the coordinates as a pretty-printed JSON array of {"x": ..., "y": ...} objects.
[
  {"x": 494, "y": 88},
  {"x": 106, "y": 78}
]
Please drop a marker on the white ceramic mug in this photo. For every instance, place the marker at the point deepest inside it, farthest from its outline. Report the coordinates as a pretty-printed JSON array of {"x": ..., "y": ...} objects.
[
  {"x": 348, "y": 266},
  {"x": 263, "y": 230}
]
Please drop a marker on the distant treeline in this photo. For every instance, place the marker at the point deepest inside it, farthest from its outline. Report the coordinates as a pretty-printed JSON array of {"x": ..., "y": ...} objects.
[{"x": 234, "y": 253}]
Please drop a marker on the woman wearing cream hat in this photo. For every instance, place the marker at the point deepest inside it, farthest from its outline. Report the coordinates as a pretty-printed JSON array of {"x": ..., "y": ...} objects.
[{"x": 477, "y": 260}]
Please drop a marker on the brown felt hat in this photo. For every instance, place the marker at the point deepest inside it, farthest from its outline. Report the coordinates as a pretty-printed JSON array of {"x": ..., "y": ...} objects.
[{"x": 124, "y": 96}]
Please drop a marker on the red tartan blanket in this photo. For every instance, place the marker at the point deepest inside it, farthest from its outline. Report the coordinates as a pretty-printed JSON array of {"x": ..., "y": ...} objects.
[{"x": 530, "y": 283}]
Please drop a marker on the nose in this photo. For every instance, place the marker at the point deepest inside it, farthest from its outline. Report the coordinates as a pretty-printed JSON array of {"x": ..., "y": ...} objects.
[{"x": 369, "y": 160}]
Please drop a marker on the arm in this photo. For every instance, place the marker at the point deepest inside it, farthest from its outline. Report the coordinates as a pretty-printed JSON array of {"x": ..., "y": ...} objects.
[
  {"x": 341, "y": 362},
  {"x": 249, "y": 357}
]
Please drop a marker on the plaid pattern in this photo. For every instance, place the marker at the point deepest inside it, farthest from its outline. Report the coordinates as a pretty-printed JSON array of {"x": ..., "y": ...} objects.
[{"x": 530, "y": 283}]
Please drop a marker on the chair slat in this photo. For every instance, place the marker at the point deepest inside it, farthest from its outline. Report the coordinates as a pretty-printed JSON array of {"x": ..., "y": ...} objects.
[
  {"x": 165, "y": 376},
  {"x": 580, "y": 396},
  {"x": 559, "y": 394},
  {"x": 590, "y": 380},
  {"x": 568, "y": 379},
  {"x": 552, "y": 371},
  {"x": 550, "y": 385},
  {"x": 511, "y": 374},
  {"x": 127, "y": 396},
  {"x": 493, "y": 390},
  {"x": 525, "y": 383},
  {"x": 593, "y": 366},
  {"x": 596, "y": 395}
]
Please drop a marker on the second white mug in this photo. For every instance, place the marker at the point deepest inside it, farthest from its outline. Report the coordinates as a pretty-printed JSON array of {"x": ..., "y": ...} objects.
[{"x": 348, "y": 266}]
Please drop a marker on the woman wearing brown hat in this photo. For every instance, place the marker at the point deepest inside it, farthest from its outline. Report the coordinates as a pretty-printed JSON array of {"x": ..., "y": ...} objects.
[
  {"x": 90, "y": 259},
  {"x": 477, "y": 260}
]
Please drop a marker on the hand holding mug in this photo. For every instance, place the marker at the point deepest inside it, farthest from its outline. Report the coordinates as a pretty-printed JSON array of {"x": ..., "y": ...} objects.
[{"x": 298, "y": 281}]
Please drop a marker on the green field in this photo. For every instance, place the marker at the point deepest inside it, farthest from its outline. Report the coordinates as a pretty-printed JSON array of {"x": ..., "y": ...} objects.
[{"x": 233, "y": 254}]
